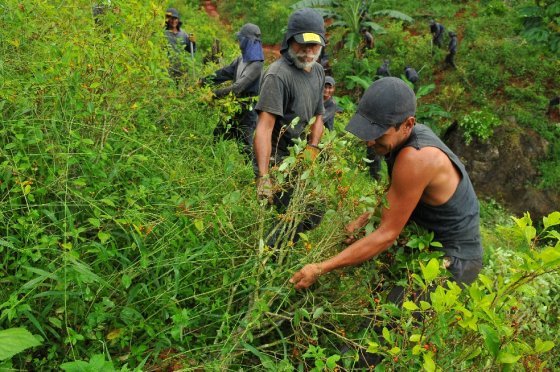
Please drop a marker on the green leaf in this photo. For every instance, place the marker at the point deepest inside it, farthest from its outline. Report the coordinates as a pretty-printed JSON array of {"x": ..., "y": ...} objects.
[
  {"x": 550, "y": 255},
  {"x": 491, "y": 338},
  {"x": 103, "y": 237},
  {"x": 476, "y": 352},
  {"x": 395, "y": 350},
  {"x": 409, "y": 305},
  {"x": 15, "y": 340},
  {"x": 393, "y": 14},
  {"x": 97, "y": 363},
  {"x": 552, "y": 219},
  {"x": 429, "y": 364},
  {"x": 318, "y": 312},
  {"x": 76, "y": 366},
  {"x": 199, "y": 224},
  {"x": 387, "y": 335},
  {"x": 425, "y": 305},
  {"x": 6, "y": 243},
  {"x": 430, "y": 271},
  {"x": 94, "y": 222},
  {"x": 266, "y": 361},
  {"x": 126, "y": 281},
  {"x": 507, "y": 358},
  {"x": 372, "y": 347},
  {"x": 529, "y": 232},
  {"x": 415, "y": 337},
  {"x": 543, "y": 347},
  {"x": 331, "y": 361},
  {"x": 109, "y": 202}
]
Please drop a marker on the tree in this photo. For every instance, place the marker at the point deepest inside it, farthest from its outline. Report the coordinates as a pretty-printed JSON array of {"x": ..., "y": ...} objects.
[
  {"x": 542, "y": 23},
  {"x": 351, "y": 15}
]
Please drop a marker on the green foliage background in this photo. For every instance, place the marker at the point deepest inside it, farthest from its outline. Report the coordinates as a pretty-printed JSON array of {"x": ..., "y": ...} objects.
[{"x": 131, "y": 240}]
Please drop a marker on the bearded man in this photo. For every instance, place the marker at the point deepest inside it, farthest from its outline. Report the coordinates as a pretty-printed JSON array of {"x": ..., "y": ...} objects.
[{"x": 291, "y": 88}]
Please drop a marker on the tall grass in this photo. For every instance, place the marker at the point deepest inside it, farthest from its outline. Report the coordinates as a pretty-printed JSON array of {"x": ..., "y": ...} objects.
[{"x": 129, "y": 236}]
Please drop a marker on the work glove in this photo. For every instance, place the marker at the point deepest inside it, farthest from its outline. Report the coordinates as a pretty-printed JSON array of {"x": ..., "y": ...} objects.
[
  {"x": 192, "y": 38},
  {"x": 310, "y": 152},
  {"x": 222, "y": 92},
  {"x": 265, "y": 189}
]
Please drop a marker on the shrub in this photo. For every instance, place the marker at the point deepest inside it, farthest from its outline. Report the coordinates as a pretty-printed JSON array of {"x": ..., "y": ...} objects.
[{"x": 478, "y": 124}]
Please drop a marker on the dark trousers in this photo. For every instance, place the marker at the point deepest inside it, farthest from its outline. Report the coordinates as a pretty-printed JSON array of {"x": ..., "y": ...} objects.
[
  {"x": 463, "y": 272},
  {"x": 240, "y": 127},
  {"x": 450, "y": 60},
  {"x": 282, "y": 231}
]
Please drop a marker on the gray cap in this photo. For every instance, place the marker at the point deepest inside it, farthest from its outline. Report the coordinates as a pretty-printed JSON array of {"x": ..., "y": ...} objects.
[
  {"x": 306, "y": 26},
  {"x": 385, "y": 104},
  {"x": 250, "y": 31},
  {"x": 172, "y": 12},
  {"x": 329, "y": 80}
]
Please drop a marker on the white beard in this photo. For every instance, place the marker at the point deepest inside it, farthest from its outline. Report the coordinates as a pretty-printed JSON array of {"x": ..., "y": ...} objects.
[{"x": 303, "y": 65}]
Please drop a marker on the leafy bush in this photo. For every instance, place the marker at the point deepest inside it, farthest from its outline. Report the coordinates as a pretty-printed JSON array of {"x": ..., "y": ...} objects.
[
  {"x": 270, "y": 16},
  {"x": 541, "y": 24},
  {"x": 132, "y": 240},
  {"x": 478, "y": 124}
]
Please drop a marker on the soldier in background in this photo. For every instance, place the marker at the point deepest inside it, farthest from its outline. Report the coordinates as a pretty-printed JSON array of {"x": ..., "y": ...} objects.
[
  {"x": 452, "y": 50},
  {"x": 180, "y": 43},
  {"x": 331, "y": 108},
  {"x": 438, "y": 33},
  {"x": 245, "y": 74},
  {"x": 383, "y": 70},
  {"x": 367, "y": 37},
  {"x": 411, "y": 74}
]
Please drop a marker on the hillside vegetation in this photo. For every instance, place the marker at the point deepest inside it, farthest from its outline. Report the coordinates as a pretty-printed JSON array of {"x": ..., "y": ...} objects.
[{"x": 131, "y": 240}]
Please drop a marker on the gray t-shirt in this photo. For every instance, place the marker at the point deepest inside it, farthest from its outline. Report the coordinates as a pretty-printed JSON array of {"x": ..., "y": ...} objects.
[{"x": 289, "y": 92}]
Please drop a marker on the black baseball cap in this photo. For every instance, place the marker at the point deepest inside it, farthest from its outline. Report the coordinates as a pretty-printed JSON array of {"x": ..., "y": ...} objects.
[
  {"x": 306, "y": 26},
  {"x": 385, "y": 104},
  {"x": 172, "y": 12}
]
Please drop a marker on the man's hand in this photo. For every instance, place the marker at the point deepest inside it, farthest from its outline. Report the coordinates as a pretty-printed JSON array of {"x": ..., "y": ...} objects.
[
  {"x": 357, "y": 224},
  {"x": 306, "y": 276},
  {"x": 265, "y": 189},
  {"x": 310, "y": 152}
]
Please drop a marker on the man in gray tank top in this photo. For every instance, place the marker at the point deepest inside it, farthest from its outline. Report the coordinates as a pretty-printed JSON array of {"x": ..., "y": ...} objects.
[{"x": 429, "y": 185}]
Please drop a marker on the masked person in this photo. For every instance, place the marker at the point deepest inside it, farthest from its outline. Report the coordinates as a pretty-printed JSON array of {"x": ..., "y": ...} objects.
[
  {"x": 438, "y": 32},
  {"x": 292, "y": 87},
  {"x": 411, "y": 74},
  {"x": 180, "y": 43},
  {"x": 383, "y": 70},
  {"x": 367, "y": 39},
  {"x": 245, "y": 74},
  {"x": 452, "y": 50}
]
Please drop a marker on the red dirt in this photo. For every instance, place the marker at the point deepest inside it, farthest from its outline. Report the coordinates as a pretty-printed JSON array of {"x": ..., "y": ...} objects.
[
  {"x": 271, "y": 52},
  {"x": 210, "y": 8}
]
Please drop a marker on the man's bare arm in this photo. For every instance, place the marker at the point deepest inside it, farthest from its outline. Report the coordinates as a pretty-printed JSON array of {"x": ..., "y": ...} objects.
[
  {"x": 263, "y": 141},
  {"x": 411, "y": 175},
  {"x": 317, "y": 129}
]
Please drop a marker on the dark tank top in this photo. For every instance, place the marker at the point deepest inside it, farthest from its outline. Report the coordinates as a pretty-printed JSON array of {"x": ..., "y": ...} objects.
[{"x": 456, "y": 223}]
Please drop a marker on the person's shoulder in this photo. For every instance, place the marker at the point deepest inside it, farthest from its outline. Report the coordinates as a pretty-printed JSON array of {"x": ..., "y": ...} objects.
[
  {"x": 414, "y": 162},
  {"x": 277, "y": 67}
]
